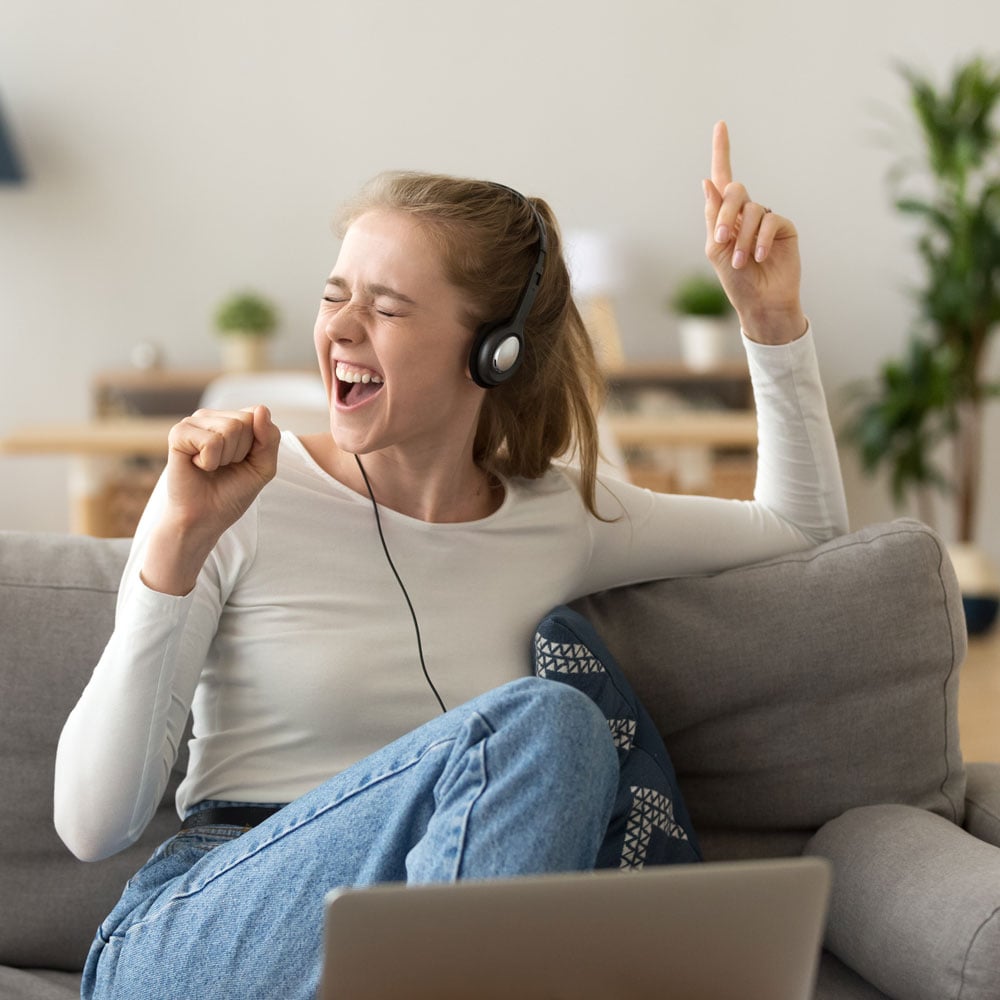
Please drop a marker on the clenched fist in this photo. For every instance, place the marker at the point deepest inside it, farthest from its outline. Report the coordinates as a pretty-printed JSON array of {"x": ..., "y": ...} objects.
[{"x": 218, "y": 461}]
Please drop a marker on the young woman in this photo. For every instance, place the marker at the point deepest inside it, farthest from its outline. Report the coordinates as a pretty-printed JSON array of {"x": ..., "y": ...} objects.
[{"x": 348, "y": 616}]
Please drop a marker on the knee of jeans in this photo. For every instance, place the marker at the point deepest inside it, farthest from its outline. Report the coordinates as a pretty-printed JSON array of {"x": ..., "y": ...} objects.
[{"x": 575, "y": 727}]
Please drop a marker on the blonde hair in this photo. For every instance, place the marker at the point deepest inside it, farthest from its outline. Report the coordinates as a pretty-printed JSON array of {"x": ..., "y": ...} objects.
[{"x": 488, "y": 237}]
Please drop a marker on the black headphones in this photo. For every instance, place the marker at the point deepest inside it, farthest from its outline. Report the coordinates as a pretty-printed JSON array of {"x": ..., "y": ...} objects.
[{"x": 498, "y": 347}]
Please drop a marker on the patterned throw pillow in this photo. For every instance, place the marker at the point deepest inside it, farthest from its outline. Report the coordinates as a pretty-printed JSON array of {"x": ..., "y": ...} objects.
[{"x": 650, "y": 824}]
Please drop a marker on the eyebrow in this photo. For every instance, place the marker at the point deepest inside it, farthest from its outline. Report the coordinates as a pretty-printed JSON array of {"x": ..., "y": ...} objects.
[{"x": 374, "y": 290}]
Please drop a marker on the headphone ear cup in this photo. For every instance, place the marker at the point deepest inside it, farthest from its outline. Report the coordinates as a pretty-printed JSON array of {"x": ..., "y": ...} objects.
[{"x": 497, "y": 352}]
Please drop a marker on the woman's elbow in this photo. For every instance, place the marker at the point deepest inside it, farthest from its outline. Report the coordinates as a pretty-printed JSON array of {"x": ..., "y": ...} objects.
[
  {"x": 83, "y": 843},
  {"x": 84, "y": 824}
]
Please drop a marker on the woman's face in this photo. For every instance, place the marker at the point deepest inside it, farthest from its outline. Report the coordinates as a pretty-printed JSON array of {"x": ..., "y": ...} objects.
[{"x": 392, "y": 342}]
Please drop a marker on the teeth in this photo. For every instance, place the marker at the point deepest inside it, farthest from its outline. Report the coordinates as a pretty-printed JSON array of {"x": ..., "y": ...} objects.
[{"x": 345, "y": 374}]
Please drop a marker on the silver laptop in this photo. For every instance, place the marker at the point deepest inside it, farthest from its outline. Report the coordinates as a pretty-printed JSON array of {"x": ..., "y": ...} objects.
[{"x": 718, "y": 931}]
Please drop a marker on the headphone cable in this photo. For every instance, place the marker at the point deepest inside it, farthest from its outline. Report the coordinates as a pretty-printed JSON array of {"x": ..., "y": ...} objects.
[{"x": 395, "y": 573}]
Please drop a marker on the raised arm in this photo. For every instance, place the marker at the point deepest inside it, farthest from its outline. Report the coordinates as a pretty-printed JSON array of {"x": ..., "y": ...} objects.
[
  {"x": 121, "y": 739},
  {"x": 799, "y": 494}
]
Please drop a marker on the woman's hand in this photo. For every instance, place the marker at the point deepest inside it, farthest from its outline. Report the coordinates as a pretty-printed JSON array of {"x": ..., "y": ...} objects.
[
  {"x": 218, "y": 461},
  {"x": 755, "y": 253}
]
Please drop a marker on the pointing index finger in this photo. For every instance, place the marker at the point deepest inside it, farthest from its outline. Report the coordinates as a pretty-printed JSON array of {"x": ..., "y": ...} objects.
[{"x": 722, "y": 171}]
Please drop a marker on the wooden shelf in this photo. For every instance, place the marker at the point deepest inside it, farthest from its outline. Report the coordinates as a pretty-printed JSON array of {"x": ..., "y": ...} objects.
[
  {"x": 156, "y": 392},
  {"x": 113, "y": 437},
  {"x": 726, "y": 385},
  {"x": 705, "y": 428},
  {"x": 684, "y": 430},
  {"x": 662, "y": 371}
]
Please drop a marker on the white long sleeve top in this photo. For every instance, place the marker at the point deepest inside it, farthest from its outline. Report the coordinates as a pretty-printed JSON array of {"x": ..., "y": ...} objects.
[{"x": 296, "y": 652}]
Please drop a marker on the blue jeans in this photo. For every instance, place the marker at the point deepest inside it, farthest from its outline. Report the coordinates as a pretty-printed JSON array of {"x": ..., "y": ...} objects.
[{"x": 519, "y": 781}]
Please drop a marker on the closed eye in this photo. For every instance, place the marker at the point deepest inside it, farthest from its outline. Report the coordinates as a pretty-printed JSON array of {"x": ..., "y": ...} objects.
[
  {"x": 340, "y": 302},
  {"x": 370, "y": 292}
]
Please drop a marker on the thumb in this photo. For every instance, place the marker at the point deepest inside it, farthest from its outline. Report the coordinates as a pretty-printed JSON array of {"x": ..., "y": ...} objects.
[
  {"x": 262, "y": 420},
  {"x": 266, "y": 437}
]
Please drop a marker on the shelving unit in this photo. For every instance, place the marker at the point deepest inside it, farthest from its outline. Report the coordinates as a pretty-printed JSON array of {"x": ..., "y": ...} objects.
[
  {"x": 682, "y": 431},
  {"x": 686, "y": 431}
]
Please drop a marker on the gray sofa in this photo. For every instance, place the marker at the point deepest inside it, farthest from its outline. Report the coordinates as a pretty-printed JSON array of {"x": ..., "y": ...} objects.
[{"x": 809, "y": 705}]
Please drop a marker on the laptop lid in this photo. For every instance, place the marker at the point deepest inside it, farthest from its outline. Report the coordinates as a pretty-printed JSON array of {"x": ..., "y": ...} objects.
[{"x": 718, "y": 931}]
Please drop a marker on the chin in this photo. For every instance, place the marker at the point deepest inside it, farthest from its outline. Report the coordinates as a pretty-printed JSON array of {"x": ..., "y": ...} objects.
[{"x": 350, "y": 442}]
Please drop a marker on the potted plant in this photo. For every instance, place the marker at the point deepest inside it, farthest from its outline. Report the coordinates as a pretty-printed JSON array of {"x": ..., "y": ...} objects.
[
  {"x": 932, "y": 399},
  {"x": 704, "y": 315},
  {"x": 245, "y": 321}
]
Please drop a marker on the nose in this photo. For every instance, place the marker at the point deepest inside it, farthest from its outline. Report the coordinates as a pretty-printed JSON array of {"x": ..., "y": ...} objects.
[{"x": 344, "y": 325}]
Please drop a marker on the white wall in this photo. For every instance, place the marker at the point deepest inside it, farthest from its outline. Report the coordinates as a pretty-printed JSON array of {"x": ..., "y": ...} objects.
[{"x": 178, "y": 152}]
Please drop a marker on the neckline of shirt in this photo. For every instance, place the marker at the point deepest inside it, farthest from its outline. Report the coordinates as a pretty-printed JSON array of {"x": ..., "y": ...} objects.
[{"x": 292, "y": 439}]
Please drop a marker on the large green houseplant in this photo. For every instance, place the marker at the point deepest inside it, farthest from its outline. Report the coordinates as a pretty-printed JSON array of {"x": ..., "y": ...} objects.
[{"x": 933, "y": 397}]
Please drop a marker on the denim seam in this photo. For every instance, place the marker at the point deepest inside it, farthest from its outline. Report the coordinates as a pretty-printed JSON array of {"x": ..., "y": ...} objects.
[
  {"x": 462, "y": 828},
  {"x": 210, "y": 877}
]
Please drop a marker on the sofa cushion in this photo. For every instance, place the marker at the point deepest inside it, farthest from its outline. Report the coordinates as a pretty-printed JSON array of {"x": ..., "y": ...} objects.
[
  {"x": 835, "y": 981},
  {"x": 982, "y": 801},
  {"x": 915, "y": 907},
  {"x": 790, "y": 691},
  {"x": 57, "y": 596},
  {"x": 650, "y": 824},
  {"x": 38, "y": 984}
]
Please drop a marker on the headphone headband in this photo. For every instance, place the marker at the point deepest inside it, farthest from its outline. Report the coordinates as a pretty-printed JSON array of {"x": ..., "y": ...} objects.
[{"x": 498, "y": 347}]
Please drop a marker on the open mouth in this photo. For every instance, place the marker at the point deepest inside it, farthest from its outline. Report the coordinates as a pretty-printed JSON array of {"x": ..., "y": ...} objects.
[{"x": 356, "y": 385}]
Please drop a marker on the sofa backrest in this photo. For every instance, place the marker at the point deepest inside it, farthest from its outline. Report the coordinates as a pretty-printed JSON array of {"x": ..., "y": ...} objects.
[
  {"x": 786, "y": 692},
  {"x": 792, "y": 690}
]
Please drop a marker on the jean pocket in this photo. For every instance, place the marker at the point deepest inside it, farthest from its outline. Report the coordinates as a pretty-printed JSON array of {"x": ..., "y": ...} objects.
[{"x": 202, "y": 839}]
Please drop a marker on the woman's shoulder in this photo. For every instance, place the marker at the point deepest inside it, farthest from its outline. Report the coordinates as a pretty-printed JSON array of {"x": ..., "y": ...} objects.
[
  {"x": 558, "y": 481},
  {"x": 301, "y": 460},
  {"x": 302, "y": 493},
  {"x": 561, "y": 483}
]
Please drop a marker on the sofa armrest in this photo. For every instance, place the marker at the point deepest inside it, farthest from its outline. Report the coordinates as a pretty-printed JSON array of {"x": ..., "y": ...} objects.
[
  {"x": 982, "y": 802},
  {"x": 915, "y": 907}
]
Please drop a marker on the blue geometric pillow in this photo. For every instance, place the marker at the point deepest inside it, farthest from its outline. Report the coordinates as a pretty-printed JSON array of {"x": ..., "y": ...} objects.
[{"x": 650, "y": 824}]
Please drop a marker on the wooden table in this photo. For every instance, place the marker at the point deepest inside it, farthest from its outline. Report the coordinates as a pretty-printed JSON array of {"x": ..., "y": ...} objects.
[
  {"x": 115, "y": 436},
  {"x": 96, "y": 448},
  {"x": 702, "y": 428}
]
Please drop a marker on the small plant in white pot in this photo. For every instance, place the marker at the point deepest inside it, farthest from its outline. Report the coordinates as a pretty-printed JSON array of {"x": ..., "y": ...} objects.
[
  {"x": 245, "y": 322},
  {"x": 705, "y": 321}
]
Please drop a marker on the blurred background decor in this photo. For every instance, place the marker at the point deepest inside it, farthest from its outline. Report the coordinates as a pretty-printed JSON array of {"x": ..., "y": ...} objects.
[
  {"x": 928, "y": 405},
  {"x": 175, "y": 154},
  {"x": 597, "y": 272},
  {"x": 245, "y": 322},
  {"x": 10, "y": 163},
  {"x": 705, "y": 321}
]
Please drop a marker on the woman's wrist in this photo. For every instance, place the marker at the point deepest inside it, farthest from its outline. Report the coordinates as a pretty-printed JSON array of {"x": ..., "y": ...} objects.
[
  {"x": 174, "y": 556},
  {"x": 775, "y": 326}
]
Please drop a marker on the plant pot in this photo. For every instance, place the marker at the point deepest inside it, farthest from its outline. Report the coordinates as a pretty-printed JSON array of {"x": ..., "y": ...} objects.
[
  {"x": 244, "y": 353},
  {"x": 705, "y": 341},
  {"x": 980, "y": 585}
]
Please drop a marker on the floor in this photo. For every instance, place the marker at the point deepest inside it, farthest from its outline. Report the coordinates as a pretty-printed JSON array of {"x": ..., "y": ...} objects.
[{"x": 979, "y": 698}]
